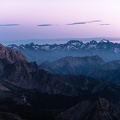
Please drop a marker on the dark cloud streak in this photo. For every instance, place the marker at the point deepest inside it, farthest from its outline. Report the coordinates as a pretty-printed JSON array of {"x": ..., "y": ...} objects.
[
  {"x": 96, "y": 21},
  {"x": 77, "y": 23},
  {"x": 84, "y": 22},
  {"x": 45, "y": 25},
  {"x": 8, "y": 25},
  {"x": 104, "y": 24}
]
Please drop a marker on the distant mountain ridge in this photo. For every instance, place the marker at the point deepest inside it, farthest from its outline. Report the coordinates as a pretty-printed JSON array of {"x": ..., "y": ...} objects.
[
  {"x": 74, "y": 65},
  {"x": 40, "y": 53},
  {"x": 71, "y": 45}
]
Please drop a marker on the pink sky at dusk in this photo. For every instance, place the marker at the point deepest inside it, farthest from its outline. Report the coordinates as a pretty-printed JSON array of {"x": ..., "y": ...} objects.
[{"x": 19, "y": 19}]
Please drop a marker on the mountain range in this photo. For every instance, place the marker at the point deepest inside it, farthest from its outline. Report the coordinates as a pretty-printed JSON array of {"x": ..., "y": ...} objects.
[
  {"x": 28, "y": 91},
  {"x": 92, "y": 66},
  {"x": 40, "y": 53}
]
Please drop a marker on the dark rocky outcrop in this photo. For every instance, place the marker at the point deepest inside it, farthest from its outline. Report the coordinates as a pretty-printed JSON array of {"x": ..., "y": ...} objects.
[
  {"x": 29, "y": 76},
  {"x": 9, "y": 116},
  {"x": 100, "y": 109}
]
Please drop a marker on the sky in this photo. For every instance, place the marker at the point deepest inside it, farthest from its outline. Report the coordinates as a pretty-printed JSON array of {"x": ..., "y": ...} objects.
[{"x": 51, "y": 19}]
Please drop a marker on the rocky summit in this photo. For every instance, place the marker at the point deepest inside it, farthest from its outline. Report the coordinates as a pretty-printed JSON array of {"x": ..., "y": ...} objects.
[{"x": 11, "y": 55}]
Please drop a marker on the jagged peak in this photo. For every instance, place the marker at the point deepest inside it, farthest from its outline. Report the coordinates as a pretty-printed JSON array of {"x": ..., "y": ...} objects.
[
  {"x": 74, "y": 41},
  {"x": 31, "y": 44},
  {"x": 93, "y": 42},
  {"x": 104, "y": 41},
  {"x": 2, "y": 48}
]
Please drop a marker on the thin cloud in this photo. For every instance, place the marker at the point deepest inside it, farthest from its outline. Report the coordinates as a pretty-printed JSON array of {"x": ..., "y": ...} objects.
[
  {"x": 45, "y": 25},
  {"x": 84, "y": 22},
  {"x": 96, "y": 21},
  {"x": 78, "y": 23},
  {"x": 104, "y": 24},
  {"x": 9, "y": 25}
]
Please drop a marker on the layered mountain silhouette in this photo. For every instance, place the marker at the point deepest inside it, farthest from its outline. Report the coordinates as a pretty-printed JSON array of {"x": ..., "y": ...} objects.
[
  {"x": 28, "y": 75},
  {"x": 92, "y": 66},
  {"x": 28, "y": 91}
]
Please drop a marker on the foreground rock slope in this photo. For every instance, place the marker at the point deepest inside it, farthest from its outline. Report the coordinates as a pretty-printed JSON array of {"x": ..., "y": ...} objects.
[{"x": 100, "y": 109}]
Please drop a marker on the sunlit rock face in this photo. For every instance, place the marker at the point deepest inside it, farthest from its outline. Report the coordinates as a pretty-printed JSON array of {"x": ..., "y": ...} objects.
[{"x": 11, "y": 55}]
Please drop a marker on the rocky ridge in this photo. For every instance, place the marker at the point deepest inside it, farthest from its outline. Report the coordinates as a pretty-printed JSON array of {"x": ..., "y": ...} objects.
[
  {"x": 73, "y": 65},
  {"x": 103, "y": 45},
  {"x": 100, "y": 109}
]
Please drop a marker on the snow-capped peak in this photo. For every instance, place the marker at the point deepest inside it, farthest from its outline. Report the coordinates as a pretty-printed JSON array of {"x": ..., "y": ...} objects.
[
  {"x": 74, "y": 42},
  {"x": 72, "y": 45},
  {"x": 104, "y": 41},
  {"x": 93, "y": 42}
]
